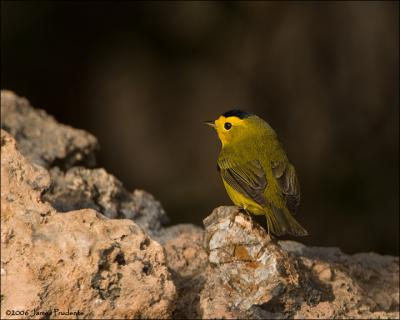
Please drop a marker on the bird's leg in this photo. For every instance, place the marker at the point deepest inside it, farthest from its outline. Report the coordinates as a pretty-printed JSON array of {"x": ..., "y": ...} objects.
[
  {"x": 269, "y": 234},
  {"x": 245, "y": 210}
]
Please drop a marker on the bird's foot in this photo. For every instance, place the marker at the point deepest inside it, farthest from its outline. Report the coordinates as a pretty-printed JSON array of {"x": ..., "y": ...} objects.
[{"x": 244, "y": 210}]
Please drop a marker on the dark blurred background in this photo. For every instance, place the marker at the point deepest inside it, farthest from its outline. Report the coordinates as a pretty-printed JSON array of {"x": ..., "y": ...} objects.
[{"x": 143, "y": 76}]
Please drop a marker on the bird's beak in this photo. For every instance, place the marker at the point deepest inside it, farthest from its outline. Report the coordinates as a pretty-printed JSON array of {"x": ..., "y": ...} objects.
[{"x": 210, "y": 123}]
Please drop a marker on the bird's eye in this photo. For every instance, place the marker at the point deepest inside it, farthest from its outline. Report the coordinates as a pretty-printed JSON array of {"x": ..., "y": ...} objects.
[{"x": 227, "y": 125}]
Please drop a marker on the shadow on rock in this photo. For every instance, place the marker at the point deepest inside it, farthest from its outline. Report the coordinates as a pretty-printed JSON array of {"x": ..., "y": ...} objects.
[
  {"x": 138, "y": 268},
  {"x": 251, "y": 276}
]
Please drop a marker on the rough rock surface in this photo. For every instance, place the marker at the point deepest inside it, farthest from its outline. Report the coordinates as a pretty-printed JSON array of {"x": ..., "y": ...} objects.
[
  {"x": 79, "y": 188},
  {"x": 41, "y": 138},
  {"x": 65, "y": 151},
  {"x": 59, "y": 251},
  {"x": 245, "y": 265},
  {"x": 252, "y": 276},
  {"x": 79, "y": 261},
  {"x": 187, "y": 260}
]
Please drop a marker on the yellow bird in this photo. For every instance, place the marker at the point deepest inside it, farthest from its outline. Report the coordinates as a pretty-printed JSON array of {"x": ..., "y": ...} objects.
[{"x": 256, "y": 172}]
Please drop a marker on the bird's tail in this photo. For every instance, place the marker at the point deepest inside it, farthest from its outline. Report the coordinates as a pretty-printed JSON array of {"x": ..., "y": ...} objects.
[{"x": 280, "y": 222}]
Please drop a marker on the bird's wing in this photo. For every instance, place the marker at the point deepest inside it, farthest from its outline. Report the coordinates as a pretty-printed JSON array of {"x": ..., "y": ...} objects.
[
  {"x": 285, "y": 174},
  {"x": 247, "y": 178}
]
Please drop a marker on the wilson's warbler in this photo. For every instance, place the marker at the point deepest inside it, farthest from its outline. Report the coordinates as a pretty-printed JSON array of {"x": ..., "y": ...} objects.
[{"x": 256, "y": 172}]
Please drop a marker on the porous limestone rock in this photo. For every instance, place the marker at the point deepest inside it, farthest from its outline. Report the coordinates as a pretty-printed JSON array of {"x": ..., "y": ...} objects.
[
  {"x": 363, "y": 285},
  {"x": 80, "y": 187},
  {"x": 246, "y": 267},
  {"x": 187, "y": 260},
  {"x": 252, "y": 276},
  {"x": 78, "y": 261},
  {"x": 41, "y": 138},
  {"x": 65, "y": 152}
]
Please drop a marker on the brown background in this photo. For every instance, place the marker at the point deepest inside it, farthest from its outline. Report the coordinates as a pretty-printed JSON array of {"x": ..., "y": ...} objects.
[{"x": 143, "y": 76}]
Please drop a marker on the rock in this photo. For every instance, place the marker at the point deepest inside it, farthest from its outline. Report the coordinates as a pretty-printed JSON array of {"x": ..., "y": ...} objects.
[
  {"x": 60, "y": 251},
  {"x": 323, "y": 272},
  {"x": 79, "y": 188},
  {"x": 65, "y": 151},
  {"x": 42, "y": 139},
  {"x": 78, "y": 261},
  {"x": 363, "y": 285},
  {"x": 246, "y": 267},
  {"x": 252, "y": 276},
  {"x": 187, "y": 259}
]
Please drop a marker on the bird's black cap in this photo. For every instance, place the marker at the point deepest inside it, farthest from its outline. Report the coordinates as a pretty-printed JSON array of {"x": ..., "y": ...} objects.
[{"x": 237, "y": 113}]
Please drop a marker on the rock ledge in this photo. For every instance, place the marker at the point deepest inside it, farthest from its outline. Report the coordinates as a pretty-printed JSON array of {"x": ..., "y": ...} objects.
[{"x": 74, "y": 239}]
